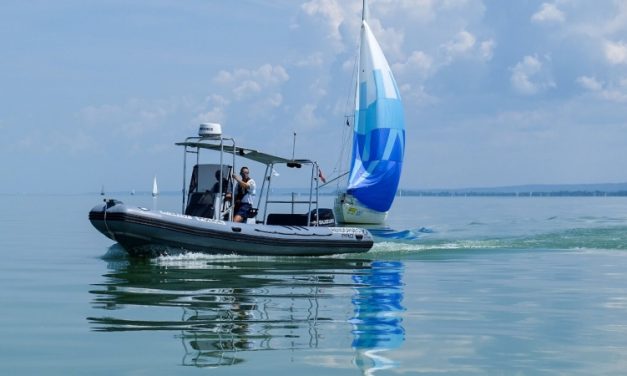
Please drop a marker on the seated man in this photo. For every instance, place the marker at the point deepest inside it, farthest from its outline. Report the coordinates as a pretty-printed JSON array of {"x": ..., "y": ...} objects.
[{"x": 245, "y": 195}]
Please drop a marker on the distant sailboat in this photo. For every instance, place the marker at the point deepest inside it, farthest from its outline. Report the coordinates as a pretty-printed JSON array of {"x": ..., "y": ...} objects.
[
  {"x": 155, "y": 190},
  {"x": 102, "y": 191},
  {"x": 378, "y": 137}
]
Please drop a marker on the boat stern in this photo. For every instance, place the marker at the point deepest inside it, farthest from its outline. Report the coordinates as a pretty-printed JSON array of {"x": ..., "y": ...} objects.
[{"x": 349, "y": 210}]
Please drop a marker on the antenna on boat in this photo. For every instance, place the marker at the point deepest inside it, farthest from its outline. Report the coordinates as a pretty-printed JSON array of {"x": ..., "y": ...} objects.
[{"x": 293, "y": 163}]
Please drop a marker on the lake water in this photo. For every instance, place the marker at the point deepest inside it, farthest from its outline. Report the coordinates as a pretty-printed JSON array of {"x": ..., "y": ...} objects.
[{"x": 529, "y": 286}]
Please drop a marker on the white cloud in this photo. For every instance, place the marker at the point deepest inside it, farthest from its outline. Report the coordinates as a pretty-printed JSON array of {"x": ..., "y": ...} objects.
[
  {"x": 460, "y": 44},
  {"x": 615, "y": 52},
  {"x": 423, "y": 10},
  {"x": 260, "y": 88},
  {"x": 530, "y": 76},
  {"x": 548, "y": 13},
  {"x": 464, "y": 44},
  {"x": 71, "y": 141},
  {"x": 265, "y": 75},
  {"x": 417, "y": 95},
  {"x": 306, "y": 117},
  {"x": 619, "y": 22},
  {"x": 452, "y": 4},
  {"x": 614, "y": 95},
  {"x": 94, "y": 114},
  {"x": 607, "y": 92},
  {"x": 246, "y": 88},
  {"x": 521, "y": 75},
  {"x": 313, "y": 60},
  {"x": 487, "y": 49},
  {"x": 140, "y": 118},
  {"x": 216, "y": 113},
  {"x": 390, "y": 39},
  {"x": 274, "y": 100},
  {"x": 418, "y": 61},
  {"x": 590, "y": 83},
  {"x": 414, "y": 59},
  {"x": 331, "y": 12},
  {"x": 317, "y": 89}
]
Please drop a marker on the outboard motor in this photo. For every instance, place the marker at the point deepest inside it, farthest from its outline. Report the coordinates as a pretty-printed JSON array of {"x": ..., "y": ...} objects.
[{"x": 326, "y": 217}]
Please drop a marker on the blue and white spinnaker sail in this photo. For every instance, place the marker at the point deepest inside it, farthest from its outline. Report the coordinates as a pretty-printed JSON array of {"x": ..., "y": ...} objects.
[{"x": 379, "y": 131}]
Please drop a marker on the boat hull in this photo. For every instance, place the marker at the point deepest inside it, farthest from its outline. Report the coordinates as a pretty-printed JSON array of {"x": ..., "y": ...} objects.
[
  {"x": 143, "y": 232},
  {"x": 349, "y": 210}
]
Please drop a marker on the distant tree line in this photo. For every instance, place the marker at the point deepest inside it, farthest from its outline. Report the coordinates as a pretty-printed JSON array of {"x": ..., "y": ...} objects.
[{"x": 515, "y": 194}]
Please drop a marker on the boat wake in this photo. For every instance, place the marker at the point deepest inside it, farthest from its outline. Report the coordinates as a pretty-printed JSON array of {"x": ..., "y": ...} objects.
[
  {"x": 401, "y": 243},
  {"x": 392, "y": 234},
  {"x": 393, "y": 243}
]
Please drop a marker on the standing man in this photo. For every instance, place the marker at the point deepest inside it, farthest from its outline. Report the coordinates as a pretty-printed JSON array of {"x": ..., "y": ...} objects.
[{"x": 245, "y": 195}]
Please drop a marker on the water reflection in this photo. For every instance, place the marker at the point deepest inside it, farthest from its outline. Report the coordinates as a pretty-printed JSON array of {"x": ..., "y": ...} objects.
[
  {"x": 377, "y": 321},
  {"x": 222, "y": 308}
]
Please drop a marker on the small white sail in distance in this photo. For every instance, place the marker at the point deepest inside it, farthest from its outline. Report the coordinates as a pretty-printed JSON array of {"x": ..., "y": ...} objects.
[{"x": 155, "y": 190}]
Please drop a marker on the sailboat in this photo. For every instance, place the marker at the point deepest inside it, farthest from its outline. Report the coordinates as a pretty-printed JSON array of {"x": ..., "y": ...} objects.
[
  {"x": 155, "y": 190},
  {"x": 378, "y": 137}
]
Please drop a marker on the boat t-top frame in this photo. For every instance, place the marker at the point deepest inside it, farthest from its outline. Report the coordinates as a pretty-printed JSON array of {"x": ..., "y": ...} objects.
[{"x": 222, "y": 145}]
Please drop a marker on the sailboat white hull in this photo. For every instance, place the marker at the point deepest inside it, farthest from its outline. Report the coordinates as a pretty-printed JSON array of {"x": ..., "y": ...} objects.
[
  {"x": 155, "y": 190},
  {"x": 349, "y": 210}
]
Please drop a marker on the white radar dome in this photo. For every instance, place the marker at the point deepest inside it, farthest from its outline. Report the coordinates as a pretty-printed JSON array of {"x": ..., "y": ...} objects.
[{"x": 210, "y": 130}]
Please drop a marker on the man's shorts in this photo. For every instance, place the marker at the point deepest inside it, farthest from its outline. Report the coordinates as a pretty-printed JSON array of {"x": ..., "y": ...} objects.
[{"x": 243, "y": 210}]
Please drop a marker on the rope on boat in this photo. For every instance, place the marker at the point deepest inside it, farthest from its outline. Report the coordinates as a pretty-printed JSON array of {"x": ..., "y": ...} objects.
[{"x": 106, "y": 206}]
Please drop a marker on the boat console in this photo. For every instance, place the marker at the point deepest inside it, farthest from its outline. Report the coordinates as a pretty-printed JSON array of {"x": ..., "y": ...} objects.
[
  {"x": 211, "y": 191},
  {"x": 205, "y": 189}
]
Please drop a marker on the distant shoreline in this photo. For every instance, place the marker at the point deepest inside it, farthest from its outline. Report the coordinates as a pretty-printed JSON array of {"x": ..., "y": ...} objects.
[
  {"x": 537, "y": 190},
  {"x": 540, "y": 190},
  {"x": 445, "y": 193}
]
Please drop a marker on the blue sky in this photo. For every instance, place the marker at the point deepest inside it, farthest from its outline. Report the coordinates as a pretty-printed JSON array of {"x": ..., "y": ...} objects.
[{"x": 495, "y": 92}]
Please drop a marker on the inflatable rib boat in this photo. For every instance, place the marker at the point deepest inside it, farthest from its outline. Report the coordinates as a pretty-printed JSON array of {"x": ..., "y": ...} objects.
[{"x": 206, "y": 223}]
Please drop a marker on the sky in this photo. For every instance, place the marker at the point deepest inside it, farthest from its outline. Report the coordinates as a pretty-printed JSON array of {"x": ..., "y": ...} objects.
[{"x": 496, "y": 93}]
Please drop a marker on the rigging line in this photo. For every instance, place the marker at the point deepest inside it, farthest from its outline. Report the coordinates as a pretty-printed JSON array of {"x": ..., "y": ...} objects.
[
  {"x": 335, "y": 178},
  {"x": 349, "y": 113}
]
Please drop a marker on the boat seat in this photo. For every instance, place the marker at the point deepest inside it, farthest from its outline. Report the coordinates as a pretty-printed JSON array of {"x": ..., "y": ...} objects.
[
  {"x": 287, "y": 219},
  {"x": 326, "y": 218},
  {"x": 201, "y": 204}
]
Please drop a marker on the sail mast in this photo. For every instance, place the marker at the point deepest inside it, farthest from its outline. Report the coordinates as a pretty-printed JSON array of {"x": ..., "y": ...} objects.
[{"x": 379, "y": 129}]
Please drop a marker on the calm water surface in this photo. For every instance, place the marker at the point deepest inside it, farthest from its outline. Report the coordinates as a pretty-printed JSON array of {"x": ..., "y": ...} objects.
[{"x": 530, "y": 286}]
